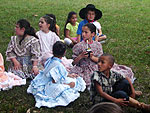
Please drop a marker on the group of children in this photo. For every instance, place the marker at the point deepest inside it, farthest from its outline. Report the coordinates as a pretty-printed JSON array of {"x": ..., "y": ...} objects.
[{"x": 60, "y": 79}]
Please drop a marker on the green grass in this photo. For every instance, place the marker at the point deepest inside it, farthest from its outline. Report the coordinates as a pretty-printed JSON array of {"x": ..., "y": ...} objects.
[{"x": 125, "y": 22}]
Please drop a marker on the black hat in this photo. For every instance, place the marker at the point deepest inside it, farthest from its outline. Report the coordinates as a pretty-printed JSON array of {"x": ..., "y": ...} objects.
[{"x": 83, "y": 12}]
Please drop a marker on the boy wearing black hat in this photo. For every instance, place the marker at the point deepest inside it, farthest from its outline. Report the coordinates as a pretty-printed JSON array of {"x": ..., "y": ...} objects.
[{"x": 90, "y": 14}]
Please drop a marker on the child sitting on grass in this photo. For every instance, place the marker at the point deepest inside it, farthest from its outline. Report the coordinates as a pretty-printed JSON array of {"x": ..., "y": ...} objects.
[
  {"x": 70, "y": 29},
  {"x": 107, "y": 85},
  {"x": 23, "y": 51},
  {"x": 90, "y": 14},
  {"x": 54, "y": 86},
  {"x": 47, "y": 37}
]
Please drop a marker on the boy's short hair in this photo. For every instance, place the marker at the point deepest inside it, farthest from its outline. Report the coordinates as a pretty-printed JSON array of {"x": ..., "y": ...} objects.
[
  {"x": 111, "y": 58},
  {"x": 59, "y": 49}
]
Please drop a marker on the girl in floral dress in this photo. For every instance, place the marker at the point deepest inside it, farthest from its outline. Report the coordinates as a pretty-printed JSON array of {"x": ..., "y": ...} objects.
[
  {"x": 85, "y": 62},
  {"x": 23, "y": 51}
]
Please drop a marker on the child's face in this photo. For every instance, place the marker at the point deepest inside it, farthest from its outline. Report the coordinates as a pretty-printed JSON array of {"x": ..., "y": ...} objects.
[
  {"x": 19, "y": 31},
  {"x": 104, "y": 64},
  {"x": 73, "y": 19},
  {"x": 86, "y": 33},
  {"x": 43, "y": 25},
  {"x": 91, "y": 15}
]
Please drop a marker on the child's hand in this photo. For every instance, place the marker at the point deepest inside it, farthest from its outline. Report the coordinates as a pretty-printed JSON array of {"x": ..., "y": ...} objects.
[
  {"x": 122, "y": 102},
  {"x": 35, "y": 70},
  {"x": 71, "y": 84},
  {"x": 17, "y": 65},
  {"x": 84, "y": 54}
]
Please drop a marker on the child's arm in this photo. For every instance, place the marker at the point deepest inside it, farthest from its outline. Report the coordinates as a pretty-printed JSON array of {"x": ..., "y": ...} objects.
[
  {"x": 35, "y": 69},
  {"x": 100, "y": 32},
  {"x": 79, "y": 32},
  {"x": 73, "y": 75},
  {"x": 71, "y": 84},
  {"x": 16, "y": 63},
  {"x": 85, "y": 55},
  {"x": 11, "y": 55},
  {"x": 58, "y": 30},
  {"x": 96, "y": 37},
  {"x": 78, "y": 38},
  {"x": 35, "y": 55},
  {"x": 79, "y": 57},
  {"x": 132, "y": 88},
  {"x": 100, "y": 36},
  {"x": 108, "y": 97},
  {"x": 93, "y": 58}
]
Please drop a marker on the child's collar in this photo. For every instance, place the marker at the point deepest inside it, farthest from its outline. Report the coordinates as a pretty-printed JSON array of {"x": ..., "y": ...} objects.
[
  {"x": 103, "y": 74},
  {"x": 91, "y": 21},
  {"x": 89, "y": 42}
]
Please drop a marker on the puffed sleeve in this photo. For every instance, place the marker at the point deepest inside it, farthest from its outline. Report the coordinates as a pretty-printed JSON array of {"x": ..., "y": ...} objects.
[
  {"x": 10, "y": 49},
  {"x": 68, "y": 26},
  {"x": 35, "y": 50},
  {"x": 76, "y": 50},
  {"x": 97, "y": 49},
  {"x": 55, "y": 37}
]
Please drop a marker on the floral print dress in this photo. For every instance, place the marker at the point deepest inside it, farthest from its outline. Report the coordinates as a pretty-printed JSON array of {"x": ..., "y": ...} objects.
[{"x": 86, "y": 66}]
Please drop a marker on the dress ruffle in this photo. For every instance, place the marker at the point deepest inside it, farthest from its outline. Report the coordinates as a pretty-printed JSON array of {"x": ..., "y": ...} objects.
[
  {"x": 51, "y": 94},
  {"x": 8, "y": 79}
]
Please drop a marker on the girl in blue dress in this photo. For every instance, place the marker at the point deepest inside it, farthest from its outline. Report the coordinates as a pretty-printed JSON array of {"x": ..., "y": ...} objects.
[{"x": 54, "y": 86}]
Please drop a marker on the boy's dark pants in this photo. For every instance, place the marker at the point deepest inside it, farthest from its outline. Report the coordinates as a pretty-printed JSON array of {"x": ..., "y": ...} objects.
[{"x": 122, "y": 89}]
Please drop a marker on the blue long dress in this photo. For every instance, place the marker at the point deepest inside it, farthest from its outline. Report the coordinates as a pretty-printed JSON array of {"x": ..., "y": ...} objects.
[{"x": 51, "y": 94}]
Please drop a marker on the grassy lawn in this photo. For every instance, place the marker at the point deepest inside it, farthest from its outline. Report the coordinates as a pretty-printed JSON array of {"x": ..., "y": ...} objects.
[{"x": 125, "y": 22}]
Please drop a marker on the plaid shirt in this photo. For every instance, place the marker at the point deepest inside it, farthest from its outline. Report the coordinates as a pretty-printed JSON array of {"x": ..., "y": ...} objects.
[{"x": 104, "y": 82}]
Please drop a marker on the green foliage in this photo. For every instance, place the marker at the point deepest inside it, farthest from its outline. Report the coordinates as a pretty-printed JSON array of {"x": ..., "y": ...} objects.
[{"x": 125, "y": 22}]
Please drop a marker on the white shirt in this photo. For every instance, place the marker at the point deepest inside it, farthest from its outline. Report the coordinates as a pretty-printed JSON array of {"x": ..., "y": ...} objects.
[
  {"x": 47, "y": 41},
  {"x": 98, "y": 26}
]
